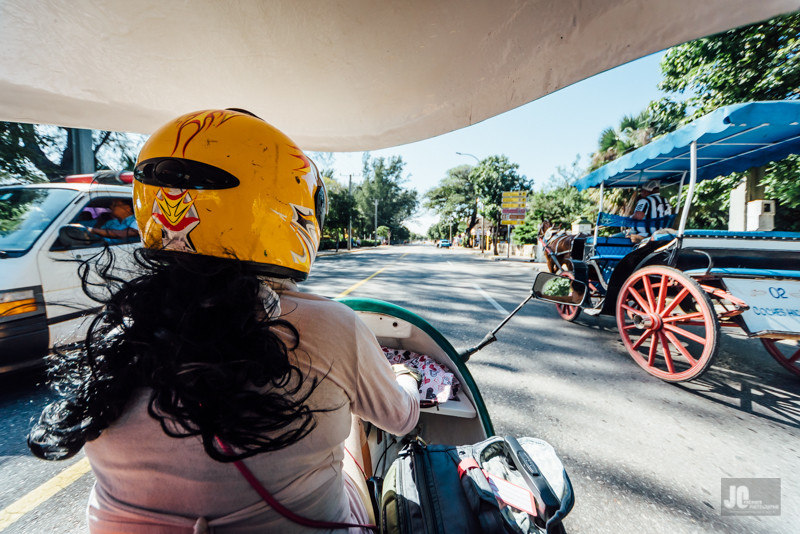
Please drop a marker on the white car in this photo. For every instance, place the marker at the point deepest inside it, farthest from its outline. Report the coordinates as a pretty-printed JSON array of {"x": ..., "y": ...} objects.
[{"x": 41, "y": 299}]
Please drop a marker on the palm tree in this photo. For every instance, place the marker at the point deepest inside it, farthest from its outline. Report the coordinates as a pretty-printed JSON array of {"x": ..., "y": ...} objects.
[{"x": 632, "y": 133}]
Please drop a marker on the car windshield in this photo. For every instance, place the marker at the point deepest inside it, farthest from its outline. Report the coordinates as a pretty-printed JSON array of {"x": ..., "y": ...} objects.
[{"x": 25, "y": 213}]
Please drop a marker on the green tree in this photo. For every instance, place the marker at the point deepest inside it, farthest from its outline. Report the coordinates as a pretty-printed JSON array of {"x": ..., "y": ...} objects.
[
  {"x": 455, "y": 198},
  {"x": 752, "y": 63},
  {"x": 340, "y": 206},
  {"x": 383, "y": 181},
  {"x": 38, "y": 153},
  {"x": 559, "y": 202},
  {"x": 632, "y": 133},
  {"x": 756, "y": 62},
  {"x": 385, "y": 232},
  {"x": 493, "y": 175}
]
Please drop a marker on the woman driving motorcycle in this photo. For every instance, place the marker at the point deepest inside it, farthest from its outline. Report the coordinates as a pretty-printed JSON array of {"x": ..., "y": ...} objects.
[{"x": 212, "y": 355}]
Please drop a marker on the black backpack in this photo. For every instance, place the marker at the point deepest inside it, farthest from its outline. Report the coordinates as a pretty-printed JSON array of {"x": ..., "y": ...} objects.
[{"x": 444, "y": 489}]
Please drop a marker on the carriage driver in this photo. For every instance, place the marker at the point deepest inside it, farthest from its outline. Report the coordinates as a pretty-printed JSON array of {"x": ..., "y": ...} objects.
[
  {"x": 649, "y": 206},
  {"x": 212, "y": 355}
]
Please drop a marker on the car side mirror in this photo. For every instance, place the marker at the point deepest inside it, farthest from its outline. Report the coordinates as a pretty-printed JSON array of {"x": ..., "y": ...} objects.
[
  {"x": 558, "y": 289},
  {"x": 76, "y": 236}
]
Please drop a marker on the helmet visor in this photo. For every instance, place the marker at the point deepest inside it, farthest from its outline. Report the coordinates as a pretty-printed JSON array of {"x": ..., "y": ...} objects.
[{"x": 182, "y": 173}]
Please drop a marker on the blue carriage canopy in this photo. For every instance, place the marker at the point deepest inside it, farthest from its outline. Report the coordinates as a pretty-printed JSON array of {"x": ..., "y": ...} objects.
[{"x": 730, "y": 139}]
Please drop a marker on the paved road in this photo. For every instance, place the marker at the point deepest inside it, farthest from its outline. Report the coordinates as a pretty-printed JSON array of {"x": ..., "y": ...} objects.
[{"x": 643, "y": 455}]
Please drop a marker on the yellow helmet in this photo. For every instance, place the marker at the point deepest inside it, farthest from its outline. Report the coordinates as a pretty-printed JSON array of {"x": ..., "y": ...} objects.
[{"x": 225, "y": 183}]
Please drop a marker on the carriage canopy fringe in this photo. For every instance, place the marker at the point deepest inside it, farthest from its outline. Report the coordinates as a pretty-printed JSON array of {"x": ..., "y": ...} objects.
[{"x": 730, "y": 139}]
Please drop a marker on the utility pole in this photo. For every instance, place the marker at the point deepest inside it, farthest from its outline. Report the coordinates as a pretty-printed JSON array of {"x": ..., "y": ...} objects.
[
  {"x": 350, "y": 213},
  {"x": 376, "y": 219},
  {"x": 82, "y": 154}
]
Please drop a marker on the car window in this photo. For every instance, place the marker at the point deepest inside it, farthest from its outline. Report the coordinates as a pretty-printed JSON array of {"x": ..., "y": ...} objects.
[
  {"x": 96, "y": 213},
  {"x": 25, "y": 214}
]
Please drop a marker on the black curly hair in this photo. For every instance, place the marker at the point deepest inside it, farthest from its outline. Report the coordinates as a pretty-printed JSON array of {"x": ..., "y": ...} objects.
[{"x": 193, "y": 330}]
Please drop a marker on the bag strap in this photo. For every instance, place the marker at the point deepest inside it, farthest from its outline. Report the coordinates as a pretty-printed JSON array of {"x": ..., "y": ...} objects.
[{"x": 278, "y": 507}]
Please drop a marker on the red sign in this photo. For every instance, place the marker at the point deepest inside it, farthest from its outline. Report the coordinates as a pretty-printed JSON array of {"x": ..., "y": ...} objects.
[{"x": 513, "y": 211}]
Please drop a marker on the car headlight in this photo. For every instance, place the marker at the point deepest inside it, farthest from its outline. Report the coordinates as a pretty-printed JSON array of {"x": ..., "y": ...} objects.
[{"x": 18, "y": 302}]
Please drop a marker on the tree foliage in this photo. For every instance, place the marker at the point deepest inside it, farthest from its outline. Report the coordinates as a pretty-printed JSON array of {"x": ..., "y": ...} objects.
[
  {"x": 40, "y": 153},
  {"x": 383, "y": 180},
  {"x": 493, "y": 175},
  {"x": 455, "y": 198},
  {"x": 752, "y": 63},
  {"x": 756, "y": 62},
  {"x": 559, "y": 202}
]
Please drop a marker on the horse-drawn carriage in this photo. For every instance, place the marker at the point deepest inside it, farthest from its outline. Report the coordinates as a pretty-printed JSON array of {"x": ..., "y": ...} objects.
[{"x": 673, "y": 292}]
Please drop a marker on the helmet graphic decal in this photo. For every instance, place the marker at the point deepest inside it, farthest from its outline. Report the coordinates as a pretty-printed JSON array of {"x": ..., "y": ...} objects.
[
  {"x": 174, "y": 210},
  {"x": 303, "y": 226},
  {"x": 310, "y": 178},
  {"x": 193, "y": 124}
]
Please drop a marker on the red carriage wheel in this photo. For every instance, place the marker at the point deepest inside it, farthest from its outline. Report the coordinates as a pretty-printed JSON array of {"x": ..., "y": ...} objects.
[
  {"x": 667, "y": 323},
  {"x": 567, "y": 312},
  {"x": 787, "y": 353}
]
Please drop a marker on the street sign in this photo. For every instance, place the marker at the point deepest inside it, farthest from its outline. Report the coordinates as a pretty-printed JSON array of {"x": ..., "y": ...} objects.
[
  {"x": 507, "y": 194},
  {"x": 514, "y": 205},
  {"x": 513, "y": 211},
  {"x": 511, "y": 223}
]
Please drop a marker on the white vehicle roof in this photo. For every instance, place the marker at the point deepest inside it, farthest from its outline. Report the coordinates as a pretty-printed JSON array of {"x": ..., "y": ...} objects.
[
  {"x": 335, "y": 76},
  {"x": 120, "y": 189}
]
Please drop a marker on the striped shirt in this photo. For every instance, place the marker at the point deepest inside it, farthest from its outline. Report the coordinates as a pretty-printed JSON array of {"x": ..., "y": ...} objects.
[{"x": 653, "y": 206}]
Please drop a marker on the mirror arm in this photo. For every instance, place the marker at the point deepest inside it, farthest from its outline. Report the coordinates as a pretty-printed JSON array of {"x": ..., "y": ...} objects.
[{"x": 491, "y": 336}]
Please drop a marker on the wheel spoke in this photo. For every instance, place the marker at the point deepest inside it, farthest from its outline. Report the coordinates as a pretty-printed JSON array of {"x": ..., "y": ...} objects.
[
  {"x": 795, "y": 357},
  {"x": 630, "y": 309},
  {"x": 651, "y": 357},
  {"x": 677, "y": 300},
  {"x": 681, "y": 348},
  {"x": 642, "y": 339},
  {"x": 681, "y": 318},
  {"x": 685, "y": 333},
  {"x": 662, "y": 294},
  {"x": 667, "y": 354},
  {"x": 629, "y": 326},
  {"x": 648, "y": 291},
  {"x": 635, "y": 294}
]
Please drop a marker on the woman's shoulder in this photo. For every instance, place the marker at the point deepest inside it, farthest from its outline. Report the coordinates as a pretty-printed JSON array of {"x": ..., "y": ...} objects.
[{"x": 314, "y": 307}]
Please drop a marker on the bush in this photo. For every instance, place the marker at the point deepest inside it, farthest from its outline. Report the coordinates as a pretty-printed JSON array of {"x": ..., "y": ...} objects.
[{"x": 330, "y": 244}]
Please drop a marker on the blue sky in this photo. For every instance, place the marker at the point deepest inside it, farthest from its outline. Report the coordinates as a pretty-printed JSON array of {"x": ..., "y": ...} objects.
[{"x": 539, "y": 136}]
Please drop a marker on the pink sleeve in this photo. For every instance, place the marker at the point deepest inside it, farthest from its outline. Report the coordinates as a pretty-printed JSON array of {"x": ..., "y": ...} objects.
[{"x": 380, "y": 398}]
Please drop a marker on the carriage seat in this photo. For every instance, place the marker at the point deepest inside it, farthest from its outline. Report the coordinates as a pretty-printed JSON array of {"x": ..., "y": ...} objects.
[
  {"x": 652, "y": 224},
  {"x": 611, "y": 248}
]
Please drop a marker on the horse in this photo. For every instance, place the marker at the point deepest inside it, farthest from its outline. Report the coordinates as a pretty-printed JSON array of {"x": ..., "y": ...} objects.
[{"x": 557, "y": 245}]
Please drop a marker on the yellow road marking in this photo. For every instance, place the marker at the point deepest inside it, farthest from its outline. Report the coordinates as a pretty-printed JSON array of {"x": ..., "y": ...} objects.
[
  {"x": 36, "y": 497},
  {"x": 361, "y": 283},
  {"x": 365, "y": 280}
]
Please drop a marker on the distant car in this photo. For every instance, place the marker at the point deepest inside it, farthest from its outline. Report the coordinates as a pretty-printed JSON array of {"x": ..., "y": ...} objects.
[{"x": 443, "y": 243}]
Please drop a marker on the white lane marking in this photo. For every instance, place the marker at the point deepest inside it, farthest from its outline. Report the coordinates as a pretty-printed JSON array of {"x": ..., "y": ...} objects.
[{"x": 488, "y": 297}]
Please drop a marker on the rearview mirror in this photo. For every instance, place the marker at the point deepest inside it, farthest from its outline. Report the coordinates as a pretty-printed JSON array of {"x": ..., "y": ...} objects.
[{"x": 558, "y": 289}]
